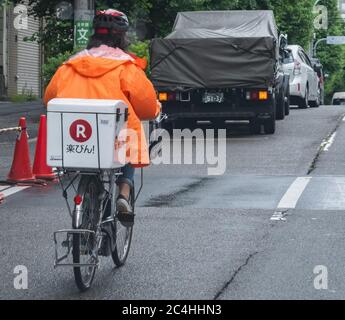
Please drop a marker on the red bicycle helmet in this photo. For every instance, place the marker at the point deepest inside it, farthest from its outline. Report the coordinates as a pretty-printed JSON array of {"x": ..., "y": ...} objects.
[{"x": 110, "y": 21}]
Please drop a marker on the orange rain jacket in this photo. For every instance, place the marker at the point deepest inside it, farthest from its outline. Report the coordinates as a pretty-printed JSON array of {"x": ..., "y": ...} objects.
[{"x": 108, "y": 73}]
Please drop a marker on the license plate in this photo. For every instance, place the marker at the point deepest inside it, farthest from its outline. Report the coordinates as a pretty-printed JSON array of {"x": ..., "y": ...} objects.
[{"x": 213, "y": 97}]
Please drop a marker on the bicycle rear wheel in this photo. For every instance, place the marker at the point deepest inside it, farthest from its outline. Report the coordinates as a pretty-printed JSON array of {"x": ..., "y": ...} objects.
[
  {"x": 123, "y": 237},
  {"x": 85, "y": 245}
]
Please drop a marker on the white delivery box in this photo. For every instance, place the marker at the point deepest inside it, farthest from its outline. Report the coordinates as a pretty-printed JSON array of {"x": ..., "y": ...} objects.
[{"x": 83, "y": 133}]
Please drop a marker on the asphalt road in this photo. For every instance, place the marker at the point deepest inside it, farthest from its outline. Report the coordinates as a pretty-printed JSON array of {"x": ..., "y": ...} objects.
[{"x": 200, "y": 236}]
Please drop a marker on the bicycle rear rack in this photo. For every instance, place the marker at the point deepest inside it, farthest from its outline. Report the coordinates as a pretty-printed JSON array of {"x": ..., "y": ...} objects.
[{"x": 58, "y": 262}]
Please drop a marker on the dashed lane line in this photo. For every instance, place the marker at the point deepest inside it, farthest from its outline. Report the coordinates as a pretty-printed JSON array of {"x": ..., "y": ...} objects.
[{"x": 328, "y": 142}]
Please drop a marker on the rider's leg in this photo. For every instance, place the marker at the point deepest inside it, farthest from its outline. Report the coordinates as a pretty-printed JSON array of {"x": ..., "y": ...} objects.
[
  {"x": 125, "y": 189},
  {"x": 125, "y": 183}
]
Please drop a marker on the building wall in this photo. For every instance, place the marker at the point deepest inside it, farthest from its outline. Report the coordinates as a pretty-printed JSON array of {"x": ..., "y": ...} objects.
[
  {"x": 12, "y": 38},
  {"x": 1, "y": 35},
  {"x": 28, "y": 60},
  {"x": 23, "y": 57}
]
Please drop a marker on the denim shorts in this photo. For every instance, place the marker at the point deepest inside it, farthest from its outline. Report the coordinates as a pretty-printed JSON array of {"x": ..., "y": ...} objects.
[{"x": 127, "y": 175}]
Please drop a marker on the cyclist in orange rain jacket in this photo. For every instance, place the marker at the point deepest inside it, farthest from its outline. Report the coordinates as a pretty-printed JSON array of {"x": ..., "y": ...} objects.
[{"x": 106, "y": 71}]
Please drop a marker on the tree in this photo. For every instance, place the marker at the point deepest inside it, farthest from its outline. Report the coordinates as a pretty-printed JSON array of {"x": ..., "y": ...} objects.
[
  {"x": 332, "y": 57},
  {"x": 155, "y": 18},
  {"x": 57, "y": 34},
  {"x": 295, "y": 17}
]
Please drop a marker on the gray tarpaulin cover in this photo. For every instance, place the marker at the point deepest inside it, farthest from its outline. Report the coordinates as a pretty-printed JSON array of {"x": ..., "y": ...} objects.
[{"x": 217, "y": 49}]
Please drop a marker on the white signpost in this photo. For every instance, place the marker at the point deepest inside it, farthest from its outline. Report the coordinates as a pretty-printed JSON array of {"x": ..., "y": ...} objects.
[{"x": 334, "y": 40}]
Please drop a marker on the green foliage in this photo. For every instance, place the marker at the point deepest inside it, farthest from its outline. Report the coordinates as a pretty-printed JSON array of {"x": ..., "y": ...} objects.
[
  {"x": 332, "y": 57},
  {"x": 155, "y": 18},
  {"x": 335, "y": 83},
  {"x": 142, "y": 50},
  {"x": 57, "y": 35},
  {"x": 52, "y": 64},
  {"x": 24, "y": 97},
  {"x": 295, "y": 17}
]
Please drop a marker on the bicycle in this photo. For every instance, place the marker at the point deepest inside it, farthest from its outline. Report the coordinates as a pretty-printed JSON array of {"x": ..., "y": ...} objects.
[{"x": 96, "y": 230}]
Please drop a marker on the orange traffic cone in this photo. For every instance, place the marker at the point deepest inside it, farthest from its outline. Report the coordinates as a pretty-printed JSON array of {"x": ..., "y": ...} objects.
[
  {"x": 40, "y": 169},
  {"x": 21, "y": 167}
]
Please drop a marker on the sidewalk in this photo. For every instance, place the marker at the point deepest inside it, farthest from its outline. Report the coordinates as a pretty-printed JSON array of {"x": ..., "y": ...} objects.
[{"x": 10, "y": 114}]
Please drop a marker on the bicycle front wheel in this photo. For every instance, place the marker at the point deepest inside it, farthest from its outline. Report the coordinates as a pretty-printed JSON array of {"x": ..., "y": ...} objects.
[
  {"x": 123, "y": 237},
  {"x": 85, "y": 245}
]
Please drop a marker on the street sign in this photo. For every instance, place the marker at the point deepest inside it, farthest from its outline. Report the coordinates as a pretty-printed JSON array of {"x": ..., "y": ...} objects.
[
  {"x": 83, "y": 31},
  {"x": 336, "y": 40}
]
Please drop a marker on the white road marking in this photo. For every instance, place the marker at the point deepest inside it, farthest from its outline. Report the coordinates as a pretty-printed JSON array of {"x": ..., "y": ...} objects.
[
  {"x": 293, "y": 194},
  {"x": 13, "y": 190},
  {"x": 4, "y": 187},
  {"x": 344, "y": 119},
  {"x": 327, "y": 143},
  {"x": 278, "y": 216}
]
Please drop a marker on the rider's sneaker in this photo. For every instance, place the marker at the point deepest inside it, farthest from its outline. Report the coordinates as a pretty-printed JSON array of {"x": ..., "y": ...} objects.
[
  {"x": 123, "y": 205},
  {"x": 125, "y": 212}
]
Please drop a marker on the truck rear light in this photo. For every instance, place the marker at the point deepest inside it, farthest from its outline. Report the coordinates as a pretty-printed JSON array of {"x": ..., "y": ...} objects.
[
  {"x": 167, "y": 96},
  {"x": 297, "y": 68},
  {"x": 172, "y": 96},
  {"x": 263, "y": 95},
  {"x": 256, "y": 95},
  {"x": 163, "y": 96}
]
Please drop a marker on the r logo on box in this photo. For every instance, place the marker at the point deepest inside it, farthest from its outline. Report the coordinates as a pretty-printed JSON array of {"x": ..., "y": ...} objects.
[{"x": 80, "y": 131}]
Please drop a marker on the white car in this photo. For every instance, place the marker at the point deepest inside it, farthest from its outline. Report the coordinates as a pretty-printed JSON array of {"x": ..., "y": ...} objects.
[
  {"x": 304, "y": 81},
  {"x": 338, "y": 98}
]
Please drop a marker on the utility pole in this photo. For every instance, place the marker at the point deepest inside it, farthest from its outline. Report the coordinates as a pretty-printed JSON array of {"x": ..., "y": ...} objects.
[{"x": 84, "y": 11}]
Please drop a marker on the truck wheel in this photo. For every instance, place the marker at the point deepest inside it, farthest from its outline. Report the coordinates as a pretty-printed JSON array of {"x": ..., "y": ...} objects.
[
  {"x": 254, "y": 126},
  {"x": 280, "y": 115},
  {"x": 270, "y": 125}
]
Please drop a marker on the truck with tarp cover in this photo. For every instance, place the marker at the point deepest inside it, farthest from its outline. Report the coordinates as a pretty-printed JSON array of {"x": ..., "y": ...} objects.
[{"x": 219, "y": 66}]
